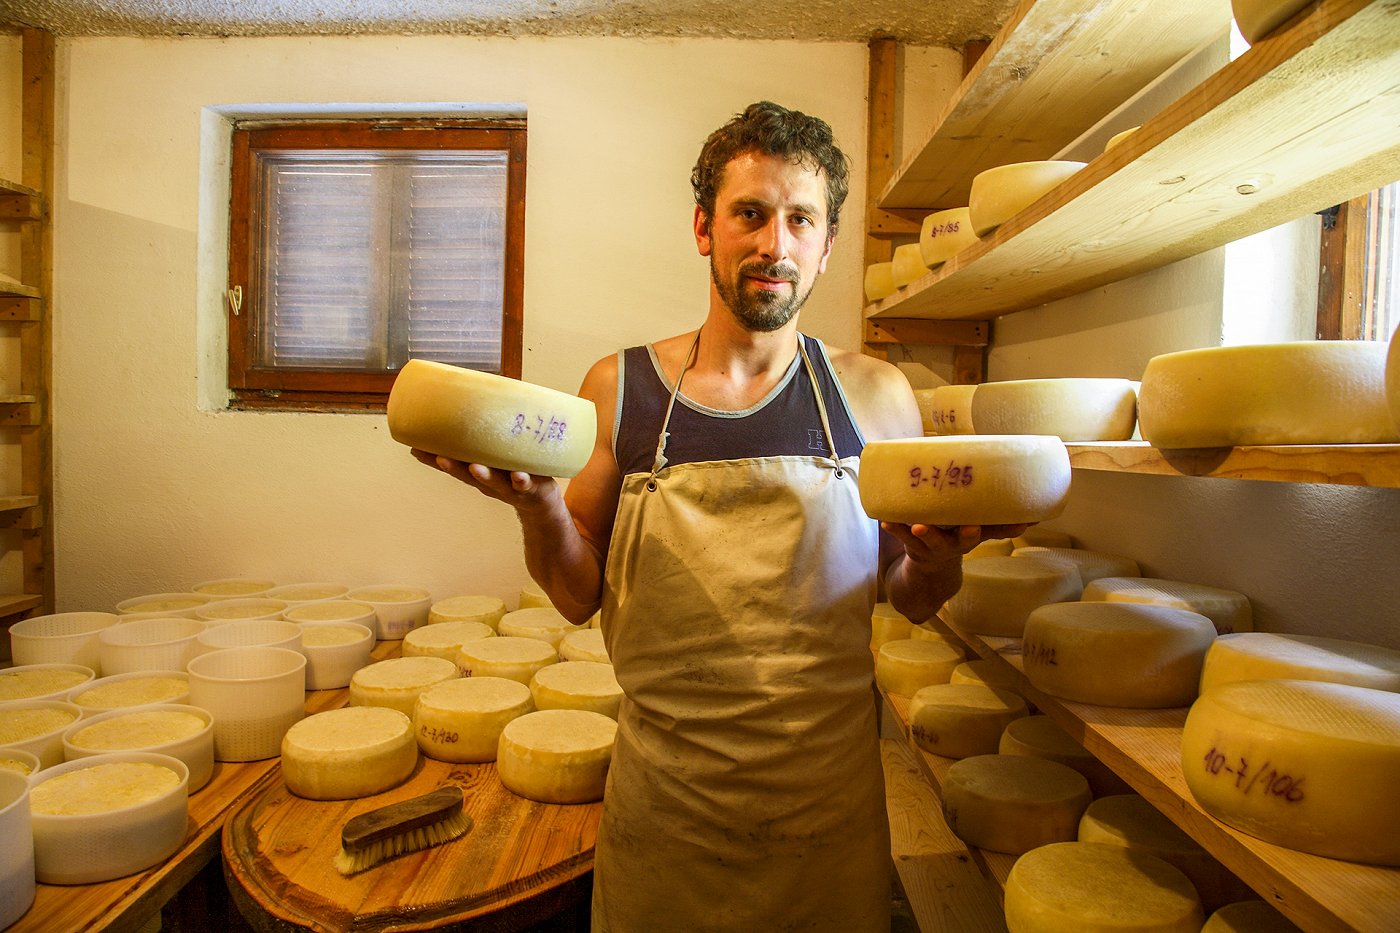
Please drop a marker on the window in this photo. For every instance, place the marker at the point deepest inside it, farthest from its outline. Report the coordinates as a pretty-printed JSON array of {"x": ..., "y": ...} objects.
[
  {"x": 1359, "y": 290},
  {"x": 354, "y": 247}
]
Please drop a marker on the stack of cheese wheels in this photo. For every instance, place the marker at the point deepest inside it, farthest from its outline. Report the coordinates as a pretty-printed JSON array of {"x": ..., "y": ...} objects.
[
  {"x": 1012, "y": 804},
  {"x": 533, "y": 596},
  {"x": 1392, "y": 378},
  {"x": 1000, "y": 193},
  {"x": 992, "y": 547},
  {"x": 1040, "y": 536},
  {"x": 557, "y": 755},
  {"x": 543, "y": 622},
  {"x": 1308, "y": 392},
  {"x": 1253, "y": 916},
  {"x": 944, "y": 234},
  {"x": 1091, "y": 886},
  {"x": 1303, "y": 764},
  {"x": 879, "y": 281},
  {"x": 461, "y": 720},
  {"x": 999, "y": 593},
  {"x": 908, "y": 265},
  {"x": 888, "y": 624},
  {"x": 1257, "y": 18},
  {"x": 444, "y": 639},
  {"x": 1116, "y": 654},
  {"x": 924, "y": 399},
  {"x": 1229, "y": 610},
  {"x": 951, "y": 409},
  {"x": 904, "y": 666},
  {"x": 355, "y": 751},
  {"x": 1040, "y": 736},
  {"x": 396, "y": 683},
  {"x": 994, "y": 479},
  {"x": 485, "y": 609},
  {"x": 585, "y": 644},
  {"x": 505, "y": 656},
  {"x": 1091, "y": 565},
  {"x": 1070, "y": 409},
  {"x": 478, "y": 417},
  {"x": 1270, "y": 656},
  {"x": 1128, "y": 820},
  {"x": 589, "y": 685},
  {"x": 962, "y": 720}
]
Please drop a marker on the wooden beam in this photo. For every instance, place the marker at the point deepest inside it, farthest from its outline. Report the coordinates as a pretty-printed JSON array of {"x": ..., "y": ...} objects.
[
  {"x": 1341, "y": 276},
  {"x": 927, "y": 333},
  {"x": 880, "y": 122},
  {"x": 23, "y": 310}
]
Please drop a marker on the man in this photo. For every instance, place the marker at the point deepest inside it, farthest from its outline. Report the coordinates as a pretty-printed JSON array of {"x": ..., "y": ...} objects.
[{"x": 718, "y": 525}]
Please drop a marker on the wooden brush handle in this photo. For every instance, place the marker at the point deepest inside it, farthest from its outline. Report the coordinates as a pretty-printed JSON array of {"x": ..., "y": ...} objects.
[{"x": 401, "y": 817}]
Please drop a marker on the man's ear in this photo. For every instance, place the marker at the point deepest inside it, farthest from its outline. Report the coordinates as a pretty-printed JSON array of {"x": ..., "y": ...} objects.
[
  {"x": 826, "y": 253},
  {"x": 702, "y": 231}
]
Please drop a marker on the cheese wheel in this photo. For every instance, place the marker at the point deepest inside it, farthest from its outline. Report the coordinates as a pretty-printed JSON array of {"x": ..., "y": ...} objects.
[
  {"x": 1039, "y": 536},
  {"x": 951, "y": 409},
  {"x": 589, "y": 685},
  {"x": 1039, "y": 736},
  {"x": 962, "y": 720},
  {"x": 933, "y": 630},
  {"x": 993, "y": 547},
  {"x": 356, "y": 751},
  {"x": 1303, "y": 764},
  {"x": 1257, "y": 18},
  {"x": 444, "y": 639},
  {"x": 993, "y": 479},
  {"x": 944, "y": 234},
  {"x": 505, "y": 656},
  {"x": 888, "y": 624},
  {"x": 1307, "y": 392},
  {"x": 138, "y": 690},
  {"x": 396, "y": 683},
  {"x": 461, "y": 720},
  {"x": 533, "y": 596},
  {"x": 924, "y": 399},
  {"x": 1116, "y": 654},
  {"x": 879, "y": 281},
  {"x": 544, "y": 623},
  {"x": 479, "y": 417},
  {"x": 1074, "y": 887},
  {"x": 1091, "y": 565},
  {"x": 1117, "y": 139},
  {"x": 138, "y": 729},
  {"x": 1012, "y": 804},
  {"x": 557, "y": 755},
  {"x": 904, "y": 666},
  {"x": 102, "y": 788},
  {"x": 1270, "y": 656},
  {"x": 1229, "y": 610},
  {"x": 484, "y": 609},
  {"x": 1070, "y": 409},
  {"x": 585, "y": 644},
  {"x": 986, "y": 673},
  {"x": 1252, "y": 916},
  {"x": 37, "y": 681},
  {"x": 908, "y": 265},
  {"x": 998, "y": 593},
  {"x": 1392, "y": 378},
  {"x": 1129, "y": 821},
  {"x": 1000, "y": 193}
]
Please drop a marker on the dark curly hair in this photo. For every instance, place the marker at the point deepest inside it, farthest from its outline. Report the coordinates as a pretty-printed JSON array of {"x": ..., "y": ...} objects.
[{"x": 767, "y": 128}]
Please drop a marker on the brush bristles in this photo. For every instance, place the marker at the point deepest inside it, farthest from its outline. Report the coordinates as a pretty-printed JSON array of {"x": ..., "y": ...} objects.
[{"x": 349, "y": 863}]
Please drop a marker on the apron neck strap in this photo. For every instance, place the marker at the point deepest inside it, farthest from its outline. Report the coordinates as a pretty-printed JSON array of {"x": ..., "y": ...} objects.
[{"x": 821, "y": 404}]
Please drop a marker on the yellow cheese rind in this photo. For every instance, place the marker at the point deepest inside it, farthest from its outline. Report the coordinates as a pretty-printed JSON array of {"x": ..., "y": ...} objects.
[
  {"x": 992, "y": 547},
  {"x": 443, "y": 639},
  {"x": 1229, "y": 610},
  {"x": 585, "y": 644},
  {"x": 906, "y": 665},
  {"x": 1392, "y": 378},
  {"x": 966, "y": 480},
  {"x": 396, "y": 682},
  {"x": 1070, "y": 409},
  {"x": 479, "y": 417},
  {"x": 999, "y": 593},
  {"x": 355, "y": 751},
  {"x": 1303, "y": 764},
  {"x": 1116, "y": 654},
  {"x": 907, "y": 266},
  {"x": 542, "y": 622},
  {"x": 533, "y": 596},
  {"x": 944, "y": 234},
  {"x": 986, "y": 673},
  {"x": 557, "y": 755},
  {"x": 950, "y": 410},
  {"x": 589, "y": 685},
  {"x": 879, "y": 281},
  {"x": 461, "y": 720},
  {"x": 1040, "y": 536},
  {"x": 1251, "y": 916},
  {"x": 962, "y": 720},
  {"x": 1096, "y": 888},
  {"x": 1120, "y": 137},
  {"x": 507, "y": 656},
  {"x": 1091, "y": 565},
  {"x": 1273, "y": 656},
  {"x": 486, "y": 609},
  {"x": 1000, "y": 193},
  {"x": 1306, "y": 392},
  {"x": 1040, "y": 737},
  {"x": 1012, "y": 804},
  {"x": 1257, "y": 18},
  {"x": 888, "y": 624}
]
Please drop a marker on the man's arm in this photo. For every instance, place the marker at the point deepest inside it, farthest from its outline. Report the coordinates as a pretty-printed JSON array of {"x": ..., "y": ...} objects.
[{"x": 565, "y": 533}]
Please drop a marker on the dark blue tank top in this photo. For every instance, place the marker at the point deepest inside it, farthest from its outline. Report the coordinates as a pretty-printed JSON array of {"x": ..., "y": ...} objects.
[{"x": 785, "y": 423}]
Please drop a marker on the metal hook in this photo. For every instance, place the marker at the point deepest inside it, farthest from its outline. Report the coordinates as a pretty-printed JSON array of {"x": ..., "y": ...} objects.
[{"x": 235, "y": 299}]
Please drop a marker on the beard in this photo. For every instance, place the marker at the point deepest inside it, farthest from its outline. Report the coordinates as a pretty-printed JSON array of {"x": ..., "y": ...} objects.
[{"x": 761, "y": 310}]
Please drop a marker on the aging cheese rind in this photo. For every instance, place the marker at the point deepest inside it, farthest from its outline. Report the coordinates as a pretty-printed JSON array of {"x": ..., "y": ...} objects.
[
  {"x": 944, "y": 234},
  {"x": 1072, "y": 409},
  {"x": 542, "y": 622},
  {"x": 906, "y": 665},
  {"x": 999, "y": 593},
  {"x": 1092, "y": 565},
  {"x": 962, "y": 720},
  {"x": 1000, "y": 193},
  {"x": 1273, "y": 656},
  {"x": 950, "y": 409},
  {"x": 1012, "y": 804},
  {"x": 396, "y": 682},
  {"x": 1229, "y": 610},
  {"x": 589, "y": 685},
  {"x": 557, "y": 755},
  {"x": 507, "y": 656},
  {"x": 1040, "y": 736},
  {"x": 346, "y": 753},
  {"x": 461, "y": 720},
  {"x": 908, "y": 265}
]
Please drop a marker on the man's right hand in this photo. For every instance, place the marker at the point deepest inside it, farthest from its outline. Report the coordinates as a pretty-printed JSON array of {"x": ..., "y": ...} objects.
[{"x": 523, "y": 492}]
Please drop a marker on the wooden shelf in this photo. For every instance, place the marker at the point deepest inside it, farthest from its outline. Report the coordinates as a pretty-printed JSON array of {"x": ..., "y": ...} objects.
[
  {"x": 17, "y": 290},
  {"x": 19, "y": 411},
  {"x": 15, "y": 503},
  {"x": 1344, "y": 465},
  {"x": 12, "y": 604},
  {"x": 1321, "y": 895},
  {"x": 1305, "y": 119},
  {"x": 1093, "y": 53}
]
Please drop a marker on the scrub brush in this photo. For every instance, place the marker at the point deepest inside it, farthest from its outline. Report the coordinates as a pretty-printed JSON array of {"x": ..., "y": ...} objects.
[{"x": 399, "y": 828}]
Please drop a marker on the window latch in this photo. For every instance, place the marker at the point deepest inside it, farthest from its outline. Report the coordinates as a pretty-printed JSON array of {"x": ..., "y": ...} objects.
[{"x": 235, "y": 299}]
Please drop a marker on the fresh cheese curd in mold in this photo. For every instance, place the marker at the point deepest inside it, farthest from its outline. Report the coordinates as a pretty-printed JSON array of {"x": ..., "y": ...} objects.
[
  {"x": 41, "y": 680},
  {"x": 102, "y": 788},
  {"x": 134, "y": 689}
]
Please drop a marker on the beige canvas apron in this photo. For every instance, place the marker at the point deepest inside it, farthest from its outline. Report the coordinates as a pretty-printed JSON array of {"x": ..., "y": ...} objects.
[{"x": 745, "y": 793}]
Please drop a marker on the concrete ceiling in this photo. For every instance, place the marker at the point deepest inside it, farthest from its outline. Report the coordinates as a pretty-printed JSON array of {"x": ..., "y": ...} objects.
[{"x": 920, "y": 22}]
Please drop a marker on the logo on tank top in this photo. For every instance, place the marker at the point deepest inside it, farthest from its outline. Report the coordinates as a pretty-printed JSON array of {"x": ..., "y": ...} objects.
[{"x": 816, "y": 440}]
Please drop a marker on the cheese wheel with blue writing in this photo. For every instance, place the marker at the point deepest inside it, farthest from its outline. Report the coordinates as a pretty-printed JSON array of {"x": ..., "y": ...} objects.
[
  {"x": 1229, "y": 610},
  {"x": 972, "y": 480},
  {"x": 1277, "y": 656},
  {"x": 479, "y": 417},
  {"x": 1303, "y": 764},
  {"x": 999, "y": 593},
  {"x": 461, "y": 720},
  {"x": 1071, "y": 409}
]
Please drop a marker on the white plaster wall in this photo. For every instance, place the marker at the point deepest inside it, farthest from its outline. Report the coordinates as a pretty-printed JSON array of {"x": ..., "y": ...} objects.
[{"x": 153, "y": 492}]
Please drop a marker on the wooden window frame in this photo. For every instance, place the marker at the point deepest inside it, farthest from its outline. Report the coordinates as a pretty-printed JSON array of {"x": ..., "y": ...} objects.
[
  {"x": 1348, "y": 283},
  {"x": 256, "y": 387}
]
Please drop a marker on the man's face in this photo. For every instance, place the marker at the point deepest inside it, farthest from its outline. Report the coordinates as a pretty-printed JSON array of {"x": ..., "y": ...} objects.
[{"x": 768, "y": 240}]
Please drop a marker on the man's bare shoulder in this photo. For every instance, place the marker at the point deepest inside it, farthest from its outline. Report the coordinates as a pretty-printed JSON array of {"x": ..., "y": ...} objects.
[{"x": 879, "y": 393}]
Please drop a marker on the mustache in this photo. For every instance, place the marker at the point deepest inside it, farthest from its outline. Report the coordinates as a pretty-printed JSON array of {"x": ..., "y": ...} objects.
[{"x": 780, "y": 271}]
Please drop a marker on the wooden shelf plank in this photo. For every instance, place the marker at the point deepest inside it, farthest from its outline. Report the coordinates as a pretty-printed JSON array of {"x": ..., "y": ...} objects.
[
  {"x": 14, "y": 188},
  {"x": 1305, "y": 119},
  {"x": 1321, "y": 895},
  {"x": 1093, "y": 53},
  {"x": 14, "y": 503},
  {"x": 10, "y": 289},
  {"x": 1343, "y": 464},
  {"x": 12, "y": 604}
]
